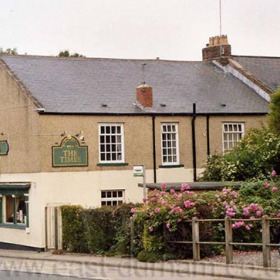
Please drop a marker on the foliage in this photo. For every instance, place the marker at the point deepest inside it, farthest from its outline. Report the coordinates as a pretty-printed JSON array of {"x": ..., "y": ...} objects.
[
  {"x": 145, "y": 256},
  {"x": 66, "y": 53},
  {"x": 274, "y": 115},
  {"x": 98, "y": 230},
  {"x": 255, "y": 156},
  {"x": 8, "y": 51},
  {"x": 166, "y": 216},
  {"x": 73, "y": 228}
]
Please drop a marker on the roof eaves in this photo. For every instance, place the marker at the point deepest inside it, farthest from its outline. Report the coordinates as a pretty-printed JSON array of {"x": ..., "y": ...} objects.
[{"x": 153, "y": 113}]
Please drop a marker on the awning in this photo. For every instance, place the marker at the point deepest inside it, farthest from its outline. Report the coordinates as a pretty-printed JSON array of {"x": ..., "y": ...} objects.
[{"x": 14, "y": 188}]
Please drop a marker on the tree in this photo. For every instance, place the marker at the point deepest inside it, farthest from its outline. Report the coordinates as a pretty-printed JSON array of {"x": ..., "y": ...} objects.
[
  {"x": 66, "y": 53},
  {"x": 8, "y": 51},
  {"x": 274, "y": 115}
]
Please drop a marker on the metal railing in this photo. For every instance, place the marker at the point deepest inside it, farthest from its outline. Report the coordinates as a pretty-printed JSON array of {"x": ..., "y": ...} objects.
[{"x": 228, "y": 243}]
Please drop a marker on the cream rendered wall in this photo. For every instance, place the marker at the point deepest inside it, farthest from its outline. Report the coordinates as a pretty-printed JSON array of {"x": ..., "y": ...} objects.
[{"x": 58, "y": 188}]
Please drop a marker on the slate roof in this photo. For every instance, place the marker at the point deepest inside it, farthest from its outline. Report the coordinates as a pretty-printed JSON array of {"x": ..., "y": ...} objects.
[
  {"x": 82, "y": 85},
  {"x": 267, "y": 69}
]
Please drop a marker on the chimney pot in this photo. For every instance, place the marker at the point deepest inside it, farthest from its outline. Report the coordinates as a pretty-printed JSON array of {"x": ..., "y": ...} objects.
[{"x": 218, "y": 47}]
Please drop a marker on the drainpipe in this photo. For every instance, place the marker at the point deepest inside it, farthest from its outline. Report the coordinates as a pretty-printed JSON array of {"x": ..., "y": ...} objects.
[
  {"x": 154, "y": 149},
  {"x": 194, "y": 143},
  {"x": 208, "y": 134}
]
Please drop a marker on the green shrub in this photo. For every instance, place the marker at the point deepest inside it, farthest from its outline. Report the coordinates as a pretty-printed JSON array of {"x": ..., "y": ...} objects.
[
  {"x": 153, "y": 241},
  {"x": 256, "y": 155},
  {"x": 73, "y": 228},
  {"x": 274, "y": 115},
  {"x": 145, "y": 256},
  {"x": 100, "y": 231}
]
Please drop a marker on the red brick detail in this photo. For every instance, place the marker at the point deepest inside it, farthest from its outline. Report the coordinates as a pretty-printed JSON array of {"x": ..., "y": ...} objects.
[{"x": 144, "y": 95}]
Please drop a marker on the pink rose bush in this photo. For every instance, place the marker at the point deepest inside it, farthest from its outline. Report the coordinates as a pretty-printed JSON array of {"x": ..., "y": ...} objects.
[{"x": 165, "y": 208}]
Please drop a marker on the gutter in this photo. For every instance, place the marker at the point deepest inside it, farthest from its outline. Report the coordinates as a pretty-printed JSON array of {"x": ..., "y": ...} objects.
[
  {"x": 194, "y": 143},
  {"x": 154, "y": 149},
  {"x": 151, "y": 114},
  {"x": 208, "y": 134}
]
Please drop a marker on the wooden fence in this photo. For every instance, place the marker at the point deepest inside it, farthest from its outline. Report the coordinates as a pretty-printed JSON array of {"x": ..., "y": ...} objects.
[{"x": 266, "y": 245}]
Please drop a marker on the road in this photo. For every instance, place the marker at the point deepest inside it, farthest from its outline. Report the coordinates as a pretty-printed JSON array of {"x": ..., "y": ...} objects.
[
  {"x": 33, "y": 269},
  {"x": 112, "y": 275}
]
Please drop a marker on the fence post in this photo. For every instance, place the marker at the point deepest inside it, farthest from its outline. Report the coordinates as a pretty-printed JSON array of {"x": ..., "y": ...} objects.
[
  {"x": 195, "y": 239},
  {"x": 228, "y": 239},
  {"x": 265, "y": 241}
]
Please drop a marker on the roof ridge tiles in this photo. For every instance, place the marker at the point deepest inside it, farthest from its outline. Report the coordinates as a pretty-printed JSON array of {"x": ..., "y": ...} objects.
[
  {"x": 98, "y": 58},
  {"x": 256, "y": 56}
]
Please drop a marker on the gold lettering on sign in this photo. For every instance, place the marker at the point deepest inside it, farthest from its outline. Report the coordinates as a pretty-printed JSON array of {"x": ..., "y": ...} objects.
[{"x": 70, "y": 157}]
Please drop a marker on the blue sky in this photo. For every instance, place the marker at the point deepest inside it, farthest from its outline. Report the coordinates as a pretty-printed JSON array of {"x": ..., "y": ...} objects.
[{"x": 169, "y": 29}]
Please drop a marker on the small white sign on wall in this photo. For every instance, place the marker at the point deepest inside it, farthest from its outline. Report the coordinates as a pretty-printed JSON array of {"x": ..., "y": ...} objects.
[{"x": 138, "y": 171}]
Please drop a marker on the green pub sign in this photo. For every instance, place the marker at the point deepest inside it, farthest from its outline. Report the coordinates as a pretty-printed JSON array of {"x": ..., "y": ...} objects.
[
  {"x": 70, "y": 153},
  {"x": 4, "y": 148}
]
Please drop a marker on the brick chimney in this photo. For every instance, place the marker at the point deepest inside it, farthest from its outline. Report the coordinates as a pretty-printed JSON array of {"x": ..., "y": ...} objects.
[
  {"x": 144, "y": 95},
  {"x": 217, "y": 48}
]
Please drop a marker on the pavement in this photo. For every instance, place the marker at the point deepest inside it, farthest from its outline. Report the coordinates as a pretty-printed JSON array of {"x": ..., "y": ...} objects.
[{"x": 68, "y": 263}]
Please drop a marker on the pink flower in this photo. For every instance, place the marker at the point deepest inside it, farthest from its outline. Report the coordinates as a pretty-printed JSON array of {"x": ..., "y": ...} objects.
[
  {"x": 230, "y": 212},
  {"x": 185, "y": 187},
  {"x": 273, "y": 173},
  {"x": 188, "y": 204},
  {"x": 278, "y": 215},
  {"x": 259, "y": 213},
  {"x": 163, "y": 202},
  {"x": 163, "y": 186},
  {"x": 179, "y": 196},
  {"x": 153, "y": 199},
  {"x": 168, "y": 225},
  {"x": 225, "y": 191},
  {"x": 253, "y": 207},
  {"x": 172, "y": 191},
  {"x": 252, "y": 218},
  {"x": 151, "y": 229},
  {"x": 266, "y": 185},
  {"x": 151, "y": 213},
  {"x": 235, "y": 194},
  {"x": 248, "y": 227},
  {"x": 238, "y": 224},
  {"x": 246, "y": 212},
  {"x": 144, "y": 199},
  {"x": 162, "y": 193},
  {"x": 133, "y": 210},
  {"x": 274, "y": 189},
  {"x": 157, "y": 210}
]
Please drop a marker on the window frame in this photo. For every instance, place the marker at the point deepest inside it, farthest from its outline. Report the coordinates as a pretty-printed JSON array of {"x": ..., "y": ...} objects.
[
  {"x": 168, "y": 163},
  {"x": 234, "y": 142},
  {"x": 119, "y": 200},
  {"x": 14, "y": 191},
  {"x": 121, "y": 134}
]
